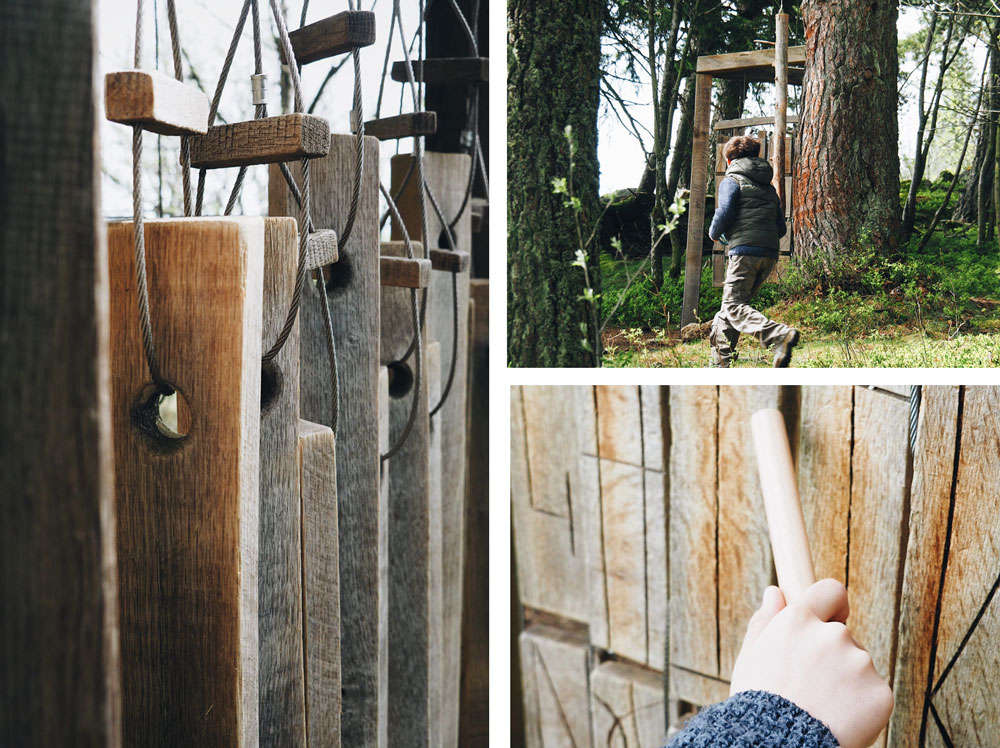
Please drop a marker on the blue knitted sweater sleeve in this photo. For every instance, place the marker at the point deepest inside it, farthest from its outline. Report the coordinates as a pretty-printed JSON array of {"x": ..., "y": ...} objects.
[
  {"x": 725, "y": 208},
  {"x": 754, "y": 719}
]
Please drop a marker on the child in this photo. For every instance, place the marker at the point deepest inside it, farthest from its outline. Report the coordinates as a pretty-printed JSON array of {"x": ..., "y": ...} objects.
[
  {"x": 800, "y": 680},
  {"x": 748, "y": 214}
]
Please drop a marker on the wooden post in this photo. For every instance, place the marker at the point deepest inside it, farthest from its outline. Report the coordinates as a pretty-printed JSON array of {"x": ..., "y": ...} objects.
[
  {"x": 436, "y": 585},
  {"x": 188, "y": 507},
  {"x": 696, "y": 208},
  {"x": 59, "y": 666},
  {"x": 781, "y": 102},
  {"x": 353, "y": 292}
]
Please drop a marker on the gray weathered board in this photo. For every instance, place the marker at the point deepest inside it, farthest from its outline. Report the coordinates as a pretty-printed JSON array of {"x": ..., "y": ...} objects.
[
  {"x": 436, "y": 560},
  {"x": 59, "y": 665},
  {"x": 187, "y": 516},
  {"x": 279, "y": 581},
  {"x": 555, "y": 667},
  {"x": 626, "y": 706},
  {"x": 354, "y": 299},
  {"x": 261, "y": 141},
  {"x": 447, "y": 175},
  {"x": 410, "y": 621}
]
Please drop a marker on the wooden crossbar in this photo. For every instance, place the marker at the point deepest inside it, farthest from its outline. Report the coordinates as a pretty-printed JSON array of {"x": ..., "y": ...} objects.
[
  {"x": 402, "y": 272},
  {"x": 445, "y": 70},
  {"x": 402, "y": 126},
  {"x": 343, "y": 32},
  {"x": 448, "y": 261},
  {"x": 157, "y": 102},
  {"x": 261, "y": 141}
]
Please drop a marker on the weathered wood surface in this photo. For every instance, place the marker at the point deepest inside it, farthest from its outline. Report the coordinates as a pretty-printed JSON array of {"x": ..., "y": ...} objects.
[
  {"x": 156, "y": 101},
  {"x": 474, "y": 714},
  {"x": 279, "y": 580},
  {"x": 697, "y": 688},
  {"x": 435, "y": 588},
  {"x": 321, "y": 582},
  {"x": 403, "y": 272},
  {"x": 626, "y": 706},
  {"x": 756, "y": 65},
  {"x": 589, "y": 503},
  {"x": 693, "y": 508},
  {"x": 385, "y": 662},
  {"x": 188, "y": 509},
  {"x": 60, "y": 674},
  {"x": 555, "y": 668},
  {"x": 448, "y": 261},
  {"x": 409, "y": 125},
  {"x": 619, "y": 424},
  {"x": 444, "y": 70},
  {"x": 930, "y": 498},
  {"x": 447, "y": 175},
  {"x": 655, "y": 427},
  {"x": 321, "y": 249},
  {"x": 657, "y": 606},
  {"x": 354, "y": 298},
  {"x": 286, "y": 137},
  {"x": 332, "y": 36},
  {"x": 740, "y": 124},
  {"x": 696, "y": 208}
]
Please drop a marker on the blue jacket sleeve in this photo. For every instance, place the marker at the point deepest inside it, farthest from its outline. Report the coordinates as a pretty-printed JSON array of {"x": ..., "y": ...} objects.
[
  {"x": 725, "y": 207},
  {"x": 754, "y": 719}
]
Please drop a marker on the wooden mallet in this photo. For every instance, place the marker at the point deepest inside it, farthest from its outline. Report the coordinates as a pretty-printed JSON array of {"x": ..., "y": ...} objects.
[{"x": 781, "y": 503}]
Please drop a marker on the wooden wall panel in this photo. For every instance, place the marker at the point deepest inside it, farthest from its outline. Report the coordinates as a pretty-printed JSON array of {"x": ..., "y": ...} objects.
[
  {"x": 626, "y": 706},
  {"x": 655, "y": 427},
  {"x": 593, "y": 539},
  {"x": 657, "y": 610},
  {"x": 555, "y": 666},
  {"x": 619, "y": 423},
  {"x": 553, "y": 448}
]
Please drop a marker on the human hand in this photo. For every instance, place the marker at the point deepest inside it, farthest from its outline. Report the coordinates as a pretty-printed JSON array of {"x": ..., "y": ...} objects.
[{"x": 803, "y": 652}]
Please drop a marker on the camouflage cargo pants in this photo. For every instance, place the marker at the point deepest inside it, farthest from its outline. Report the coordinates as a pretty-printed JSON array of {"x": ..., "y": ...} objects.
[{"x": 744, "y": 278}]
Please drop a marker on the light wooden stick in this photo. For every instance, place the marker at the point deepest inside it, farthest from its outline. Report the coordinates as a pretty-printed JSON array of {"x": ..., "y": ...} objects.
[{"x": 781, "y": 503}]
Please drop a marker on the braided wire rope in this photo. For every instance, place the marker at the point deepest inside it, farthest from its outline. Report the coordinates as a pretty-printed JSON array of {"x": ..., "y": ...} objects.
[{"x": 175, "y": 44}]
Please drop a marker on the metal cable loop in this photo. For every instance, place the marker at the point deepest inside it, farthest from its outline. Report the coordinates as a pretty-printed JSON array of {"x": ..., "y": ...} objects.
[{"x": 175, "y": 44}]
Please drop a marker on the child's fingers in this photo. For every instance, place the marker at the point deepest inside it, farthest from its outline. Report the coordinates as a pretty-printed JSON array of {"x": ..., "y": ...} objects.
[
  {"x": 828, "y": 600},
  {"x": 772, "y": 604}
]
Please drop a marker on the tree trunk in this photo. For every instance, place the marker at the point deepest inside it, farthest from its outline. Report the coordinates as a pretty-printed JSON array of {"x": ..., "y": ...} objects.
[
  {"x": 967, "y": 208},
  {"x": 986, "y": 167},
  {"x": 848, "y": 170},
  {"x": 554, "y": 58},
  {"x": 680, "y": 175},
  {"x": 911, "y": 198}
]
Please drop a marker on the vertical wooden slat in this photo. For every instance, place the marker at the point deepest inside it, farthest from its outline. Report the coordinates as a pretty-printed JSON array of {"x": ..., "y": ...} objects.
[
  {"x": 655, "y": 428},
  {"x": 586, "y": 417},
  {"x": 279, "y": 582},
  {"x": 556, "y": 693},
  {"x": 590, "y": 499},
  {"x": 626, "y": 706},
  {"x": 551, "y": 434},
  {"x": 619, "y": 423},
  {"x": 59, "y": 660},
  {"x": 780, "y": 102},
  {"x": 656, "y": 568},
  {"x": 353, "y": 294},
  {"x": 436, "y": 530},
  {"x": 696, "y": 208},
  {"x": 188, "y": 509}
]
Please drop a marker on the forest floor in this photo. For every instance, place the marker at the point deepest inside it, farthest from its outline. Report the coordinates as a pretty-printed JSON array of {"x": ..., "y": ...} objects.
[{"x": 939, "y": 307}]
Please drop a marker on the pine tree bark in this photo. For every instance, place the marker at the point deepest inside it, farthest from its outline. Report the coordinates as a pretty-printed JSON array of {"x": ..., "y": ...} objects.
[
  {"x": 554, "y": 58},
  {"x": 847, "y": 173}
]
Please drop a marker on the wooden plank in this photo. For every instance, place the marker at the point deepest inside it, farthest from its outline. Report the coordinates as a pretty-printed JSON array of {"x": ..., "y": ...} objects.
[
  {"x": 878, "y": 492},
  {"x": 626, "y": 706},
  {"x": 157, "y": 102},
  {"x": 744, "y": 548},
  {"x": 824, "y": 473},
  {"x": 657, "y": 607},
  {"x": 930, "y": 496},
  {"x": 480, "y": 215},
  {"x": 619, "y": 423},
  {"x": 655, "y": 427},
  {"x": 693, "y": 506},
  {"x": 321, "y": 249},
  {"x": 60, "y": 673},
  {"x": 321, "y": 582},
  {"x": 279, "y": 580},
  {"x": 556, "y": 670},
  {"x": 966, "y": 700},
  {"x": 402, "y": 272},
  {"x": 435, "y": 542},
  {"x": 552, "y": 448},
  {"x": 696, "y": 688},
  {"x": 589, "y": 496},
  {"x": 449, "y": 262},
  {"x": 286, "y": 137},
  {"x": 353, "y": 293},
  {"x": 780, "y": 104},
  {"x": 733, "y": 62},
  {"x": 585, "y": 404},
  {"x": 385, "y": 485},
  {"x": 696, "y": 207},
  {"x": 336, "y": 35},
  {"x": 474, "y": 716},
  {"x": 444, "y": 70},
  {"x": 409, "y": 125},
  {"x": 739, "y": 124},
  {"x": 188, "y": 582}
]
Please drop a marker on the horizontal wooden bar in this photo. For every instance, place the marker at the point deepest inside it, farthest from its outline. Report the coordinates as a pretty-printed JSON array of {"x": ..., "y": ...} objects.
[
  {"x": 402, "y": 126},
  {"x": 445, "y": 70},
  {"x": 261, "y": 141},
  {"x": 340, "y": 33},
  {"x": 739, "y": 62},
  {"x": 733, "y": 124},
  {"x": 157, "y": 102},
  {"x": 402, "y": 272},
  {"x": 397, "y": 248},
  {"x": 448, "y": 261},
  {"x": 321, "y": 249}
]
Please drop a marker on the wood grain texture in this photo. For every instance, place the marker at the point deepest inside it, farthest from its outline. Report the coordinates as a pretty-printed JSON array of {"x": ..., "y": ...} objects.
[
  {"x": 589, "y": 497},
  {"x": 279, "y": 580},
  {"x": 655, "y": 426},
  {"x": 551, "y": 437},
  {"x": 321, "y": 249},
  {"x": 335, "y": 35},
  {"x": 434, "y": 544},
  {"x": 619, "y": 423},
  {"x": 693, "y": 506},
  {"x": 60, "y": 673},
  {"x": 657, "y": 607},
  {"x": 188, "y": 510},
  {"x": 555, "y": 666},
  {"x": 696, "y": 208},
  {"x": 402, "y": 272},
  {"x": 448, "y": 261},
  {"x": 824, "y": 471},
  {"x": 696, "y": 688},
  {"x": 286, "y": 137},
  {"x": 444, "y": 70},
  {"x": 321, "y": 582},
  {"x": 737, "y": 62},
  {"x": 409, "y": 125},
  {"x": 354, "y": 307},
  {"x": 447, "y": 175},
  {"x": 930, "y": 497},
  {"x": 475, "y": 696},
  {"x": 626, "y": 706},
  {"x": 878, "y": 491},
  {"x": 156, "y": 101},
  {"x": 585, "y": 404}
]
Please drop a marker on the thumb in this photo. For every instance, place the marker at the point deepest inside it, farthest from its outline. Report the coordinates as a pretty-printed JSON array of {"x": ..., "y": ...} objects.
[{"x": 772, "y": 604}]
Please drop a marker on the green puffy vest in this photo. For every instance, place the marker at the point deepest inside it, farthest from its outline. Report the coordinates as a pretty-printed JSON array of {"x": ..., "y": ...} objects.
[{"x": 758, "y": 205}]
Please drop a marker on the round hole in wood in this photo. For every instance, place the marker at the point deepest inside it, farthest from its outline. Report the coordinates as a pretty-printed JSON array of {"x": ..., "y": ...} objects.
[
  {"x": 400, "y": 379},
  {"x": 165, "y": 420},
  {"x": 270, "y": 384},
  {"x": 444, "y": 240},
  {"x": 338, "y": 275}
]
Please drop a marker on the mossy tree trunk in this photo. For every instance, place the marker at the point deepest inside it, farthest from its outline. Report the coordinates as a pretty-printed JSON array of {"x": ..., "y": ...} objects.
[
  {"x": 848, "y": 167},
  {"x": 554, "y": 55}
]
